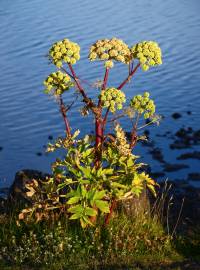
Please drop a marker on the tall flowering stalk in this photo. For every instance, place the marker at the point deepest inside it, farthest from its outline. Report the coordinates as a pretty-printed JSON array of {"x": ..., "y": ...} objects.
[{"x": 96, "y": 173}]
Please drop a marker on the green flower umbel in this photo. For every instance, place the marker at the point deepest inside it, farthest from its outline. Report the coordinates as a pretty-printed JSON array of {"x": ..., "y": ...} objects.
[
  {"x": 64, "y": 51},
  {"x": 57, "y": 83},
  {"x": 143, "y": 105},
  {"x": 108, "y": 50},
  {"x": 148, "y": 53},
  {"x": 113, "y": 98}
]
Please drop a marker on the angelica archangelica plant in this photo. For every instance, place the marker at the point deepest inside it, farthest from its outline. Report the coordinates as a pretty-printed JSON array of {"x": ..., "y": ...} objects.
[{"x": 98, "y": 170}]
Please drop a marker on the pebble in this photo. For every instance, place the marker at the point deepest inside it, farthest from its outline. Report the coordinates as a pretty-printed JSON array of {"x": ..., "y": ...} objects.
[
  {"x": 176, "y": 115},
  {"x": 174, "y": 167},
  {"x": 191, "y": 155},
  {"x": 157, "y": 154},
  {"x": 194, "y": 176}
]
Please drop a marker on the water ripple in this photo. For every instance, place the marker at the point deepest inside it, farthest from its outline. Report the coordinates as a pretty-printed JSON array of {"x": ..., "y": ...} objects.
[{"x": 28, "y": 28}]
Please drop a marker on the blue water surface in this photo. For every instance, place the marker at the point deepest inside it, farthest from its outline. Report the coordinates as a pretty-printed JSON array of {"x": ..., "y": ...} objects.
[{"x": 28, "y": 29}]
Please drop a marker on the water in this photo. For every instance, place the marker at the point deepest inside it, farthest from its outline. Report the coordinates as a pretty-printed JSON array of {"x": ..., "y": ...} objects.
[{"x": 27, "y": 30}]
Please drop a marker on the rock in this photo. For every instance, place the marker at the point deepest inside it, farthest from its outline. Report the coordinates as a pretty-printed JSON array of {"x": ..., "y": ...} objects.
[
  {"x": 4, "y": 192},
  {"x": 174, "y": 167},
  {"x": 194, "y": 177},
  {"x": 155, "y": 175},
  {"x": 39, "y": 154},
  {"x": 148, "y": 143},
  {"x": 176, "y": 115},
  {"x": 1, "y": 148},
  {"x": 196, "y": 136},
  {"x": 191, "y": 155},
  {"x": 145, "y": 168},
  {"x": 146, "y": 133},
  {"x": 179, "y": 145},
  {"x": 183, "y": 133},
  {"x": 50, "y": 137},
  {"x": 189, "y": 112},
  {"x": 135, "y": 206},
  {"x": 17, "y": 191},
  {"x": 147, "y": 121},
  {"x": 2, "y": 205},
  {"x": 186, "y": 138},
  {"x": 157, "y": 155}
]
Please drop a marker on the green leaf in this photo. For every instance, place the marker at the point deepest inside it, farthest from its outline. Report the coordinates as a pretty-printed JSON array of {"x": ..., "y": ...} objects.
[
  {"x": 87, "y": 152},
  {"x": 73, "y": 200},
  {"x": 90, "y": 194},
  {"x": 118, "y": 185},
  {"x": 87, "y": 221},
  {"x": 83, "y": 223},
  {"x": 86, "y": 171},
  {"x": 78, "y": 209},
  {"x": 90, "y": 211},
  {"x": 99, "y": 195},
  {"x": 81, "y": 181},
  {"x": 83, "y": 191},
  {"x": 152, "y": 188},
  {"x": 130, "y": 162},
  {"x": 75, "y": 216},
  {"x": 108, "y": 171},
  {"x": 103, "y": 206},
  {"x": 99, "y": 172},
  {"x": 137, "y": 190}
]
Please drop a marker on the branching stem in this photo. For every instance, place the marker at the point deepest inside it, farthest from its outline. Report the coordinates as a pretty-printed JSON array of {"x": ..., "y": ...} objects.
[
  {"x": 129, "y": 77},
  {"x": 134, "y": 132},
  {"x": 64, "y": 115},
  {"x": 87, "y": 100}
]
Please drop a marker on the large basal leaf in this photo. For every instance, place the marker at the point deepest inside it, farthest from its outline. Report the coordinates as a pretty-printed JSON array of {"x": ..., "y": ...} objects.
[
  {"x": 76, "y": 216},
  {"x": 73, "y": 200},
  {"x": 103, "y": 206},
  {"x": 78, "y": 209},
  {"x": 90, "y": 212}
]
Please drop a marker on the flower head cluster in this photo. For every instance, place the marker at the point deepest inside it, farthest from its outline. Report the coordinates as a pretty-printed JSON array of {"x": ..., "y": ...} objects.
[
  {"x": 113, "y": 98},
  {"x": 109, "y": 50},
  {"x": 143, "y": 105},
  {"x": 121, "y": 141},
  {"x": 57, "y": 82},
  {"x": 148, "y": 53},
  {"x": 64, "y": 51}
]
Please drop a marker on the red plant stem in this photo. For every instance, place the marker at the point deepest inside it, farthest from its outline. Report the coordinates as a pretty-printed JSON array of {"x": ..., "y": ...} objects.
[
  {"x": 63, "y": 112},
  {"x": 98, "y": 132},
  {"x": 104, "y": 87},
  {"x": 105, "y": 79},
  {"x": 105, "y": 118},
  {"x": 134, "y": 132},
  {"x": 108, "y": 216},
  {"x": 77, "y": 81},
  {"x": 87, "y": 100},
  {"x": 129, "y": 77},
  {"x": 99, "y": 126}
]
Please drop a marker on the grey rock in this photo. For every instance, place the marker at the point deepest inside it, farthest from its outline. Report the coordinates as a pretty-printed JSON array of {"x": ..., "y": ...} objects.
[
  {"x": 194, "y": 176},
  {"x": 17, "y": 191},
  {"x": 191, "y": 155},
  {"x": 174, "y": 167}
]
